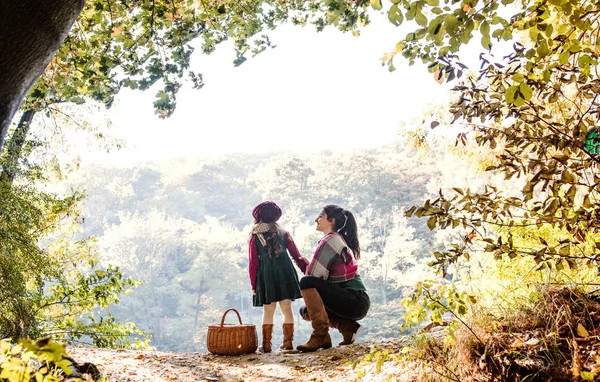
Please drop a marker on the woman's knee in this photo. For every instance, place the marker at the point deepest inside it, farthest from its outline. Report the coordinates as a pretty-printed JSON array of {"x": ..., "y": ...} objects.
[{"x": 308, "y": 282}]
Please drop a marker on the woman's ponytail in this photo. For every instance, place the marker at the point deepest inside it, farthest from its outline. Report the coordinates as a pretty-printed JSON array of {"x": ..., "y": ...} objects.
[
  {"x": 350, "y": 233},
  {"x": 345, "y": 224}
]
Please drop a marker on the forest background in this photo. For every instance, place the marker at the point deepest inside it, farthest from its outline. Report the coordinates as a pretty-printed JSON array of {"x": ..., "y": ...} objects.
[{"x": 516, "y": 182}]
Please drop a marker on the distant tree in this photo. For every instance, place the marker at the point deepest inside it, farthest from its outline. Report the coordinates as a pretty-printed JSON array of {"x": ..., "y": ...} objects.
[
  {"x": 52, "y": 284},
  {"x": 391, "y": 258}
]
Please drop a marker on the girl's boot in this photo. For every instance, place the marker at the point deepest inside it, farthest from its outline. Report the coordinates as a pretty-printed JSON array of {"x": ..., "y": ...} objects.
[
  {"x": 288, "y": 337},
  {"x": 267, "y": 333}
]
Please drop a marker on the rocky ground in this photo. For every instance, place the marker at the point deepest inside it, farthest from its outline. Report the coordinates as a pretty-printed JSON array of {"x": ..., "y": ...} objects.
[{"x": 345, "y": 363}]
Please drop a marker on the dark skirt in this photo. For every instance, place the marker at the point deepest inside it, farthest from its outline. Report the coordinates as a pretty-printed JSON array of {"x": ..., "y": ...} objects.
[{"x": 276, "y": 280}]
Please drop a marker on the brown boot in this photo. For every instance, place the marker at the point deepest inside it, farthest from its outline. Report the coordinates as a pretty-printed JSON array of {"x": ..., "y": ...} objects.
[
  {"x": 288, "y": 337},
  {"x": 319, "y": 338},
  {"x": 267, "y": 332},
  {"x": 348, "y": 328}
]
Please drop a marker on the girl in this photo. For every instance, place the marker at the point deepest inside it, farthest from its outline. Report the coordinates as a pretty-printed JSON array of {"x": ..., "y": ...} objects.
[
  {"x": 272, "y": 274},
  {"x": 332, "y": 288}
]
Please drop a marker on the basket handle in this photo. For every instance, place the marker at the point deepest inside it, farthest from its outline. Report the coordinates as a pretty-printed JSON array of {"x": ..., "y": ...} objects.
[{"x": 227, "y": 311}]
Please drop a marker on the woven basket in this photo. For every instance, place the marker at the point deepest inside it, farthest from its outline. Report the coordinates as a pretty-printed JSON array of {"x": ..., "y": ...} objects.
[{"x": 225, "y": 339}]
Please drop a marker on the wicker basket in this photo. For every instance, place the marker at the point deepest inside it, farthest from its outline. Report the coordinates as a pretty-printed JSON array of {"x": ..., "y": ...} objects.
[{"x": 225, "y": 339}]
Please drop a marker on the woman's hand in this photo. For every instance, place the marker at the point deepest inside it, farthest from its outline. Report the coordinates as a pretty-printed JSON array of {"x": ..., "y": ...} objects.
[
  {"x": 254, "y": 293},
  {"x": 305, "y": 262}
]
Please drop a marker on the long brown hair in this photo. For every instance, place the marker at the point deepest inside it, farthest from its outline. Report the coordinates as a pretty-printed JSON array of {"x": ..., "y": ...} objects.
[
  {"x": 273, "y": 244},
  {"x": 274, "y": 248},
  {"x": 345, "y": 224}
]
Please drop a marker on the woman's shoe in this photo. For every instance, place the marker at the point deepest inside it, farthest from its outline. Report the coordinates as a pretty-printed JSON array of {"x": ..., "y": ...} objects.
[{"x": 319, "y": 338}]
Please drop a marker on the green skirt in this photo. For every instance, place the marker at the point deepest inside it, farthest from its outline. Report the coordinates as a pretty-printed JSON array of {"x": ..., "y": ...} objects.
[{"x": 276, "y": 280}]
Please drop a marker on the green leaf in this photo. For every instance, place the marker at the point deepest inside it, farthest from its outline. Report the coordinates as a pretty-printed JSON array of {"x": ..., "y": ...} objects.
[
  {"x": 575, "y": 48},
  {"x": 451, "y": 23},
  {"x": 526, "y": 91},
  {"x": 376, "y": 4},
  {"x": 510, "y": 93},
  {"x": 563, "y": 58},
  {"x": 395, "y": 15},
  {"x": 433, "y": 3},
  {"x": 518, "y": 77},
  {"x": 533, "y": 33},
  {"x": 542, "y": 49},
  {"x": 421, "y": 19},
  {"x": 484, "y": 28},
  {"x": 518, "y": 102},
  {"x": 586, "y": 375},
  {"x": 486, "y": 42},
  {"x": 584, "y": 60}
]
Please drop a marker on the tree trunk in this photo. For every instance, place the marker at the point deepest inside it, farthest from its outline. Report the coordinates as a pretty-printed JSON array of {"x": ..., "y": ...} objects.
[
  {"x": 15, "y": 146},
  {"x": 31, "y": 32}
]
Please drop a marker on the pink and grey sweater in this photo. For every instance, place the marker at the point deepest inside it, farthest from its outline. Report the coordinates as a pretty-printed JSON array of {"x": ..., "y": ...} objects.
[{"x": 333, "y": 260}]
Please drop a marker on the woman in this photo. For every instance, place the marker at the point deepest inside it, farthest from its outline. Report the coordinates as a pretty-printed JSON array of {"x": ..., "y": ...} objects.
[{"x": 332, "y": 289}]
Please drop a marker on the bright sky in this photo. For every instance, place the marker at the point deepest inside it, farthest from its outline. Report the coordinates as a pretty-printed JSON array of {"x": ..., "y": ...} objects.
[{"x": 314, "y": 91}]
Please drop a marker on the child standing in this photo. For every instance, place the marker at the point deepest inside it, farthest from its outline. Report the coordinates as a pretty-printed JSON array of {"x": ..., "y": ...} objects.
[{"x": 272, "y": 274}]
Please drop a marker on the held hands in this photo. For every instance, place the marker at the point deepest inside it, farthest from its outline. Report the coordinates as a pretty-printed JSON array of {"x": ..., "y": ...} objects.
[
  {"x": 254, "y": 293},
  {"x": 306, "y": 262}
]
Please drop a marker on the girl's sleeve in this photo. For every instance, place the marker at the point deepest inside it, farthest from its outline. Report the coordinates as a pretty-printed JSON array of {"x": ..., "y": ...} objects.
[
  {"x": 293, "y": 250},
  {"x": 253, "y": 261}
]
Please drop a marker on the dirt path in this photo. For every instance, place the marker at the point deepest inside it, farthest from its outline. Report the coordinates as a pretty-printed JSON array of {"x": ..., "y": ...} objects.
[{"x": 334, "y": 364}]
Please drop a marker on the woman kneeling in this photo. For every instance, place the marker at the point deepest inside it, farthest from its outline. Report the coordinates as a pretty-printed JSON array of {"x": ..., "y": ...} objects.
[{"x": 333, "y": 292}]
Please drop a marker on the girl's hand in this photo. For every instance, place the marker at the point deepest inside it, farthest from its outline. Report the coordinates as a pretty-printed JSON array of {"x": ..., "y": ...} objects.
[{"x": 306, "y": 262}]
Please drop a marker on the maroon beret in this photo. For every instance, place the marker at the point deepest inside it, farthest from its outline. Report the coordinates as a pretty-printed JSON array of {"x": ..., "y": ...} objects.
[{"x": 267, "y": 212}]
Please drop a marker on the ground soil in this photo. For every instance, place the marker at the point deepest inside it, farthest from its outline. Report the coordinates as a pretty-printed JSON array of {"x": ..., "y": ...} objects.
[{"x": 342, "y": 363}]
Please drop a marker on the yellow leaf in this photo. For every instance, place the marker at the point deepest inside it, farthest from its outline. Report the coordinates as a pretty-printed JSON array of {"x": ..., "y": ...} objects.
[
  {"x": 438, "y": 76},
  {"x": 581, "y": 331},
  {"x": 117, "y": 31},
  {"x": 517, "y": 343},
  {"x": 376, "y": 4}
]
